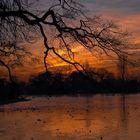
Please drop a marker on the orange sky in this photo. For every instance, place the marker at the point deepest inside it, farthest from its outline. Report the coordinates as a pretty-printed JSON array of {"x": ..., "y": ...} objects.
[{"x": 127, "y": 17}]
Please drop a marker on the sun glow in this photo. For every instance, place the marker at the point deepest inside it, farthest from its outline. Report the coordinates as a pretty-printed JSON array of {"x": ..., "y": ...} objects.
[{"x": 34, "y": 64}]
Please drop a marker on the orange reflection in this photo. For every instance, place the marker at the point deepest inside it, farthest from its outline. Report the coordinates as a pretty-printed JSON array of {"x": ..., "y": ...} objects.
[{"x": 89, "y": 117}]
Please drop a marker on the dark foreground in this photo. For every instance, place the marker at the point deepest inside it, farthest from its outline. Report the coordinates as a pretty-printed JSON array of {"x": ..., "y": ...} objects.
[{"x": 72, "y": 118}]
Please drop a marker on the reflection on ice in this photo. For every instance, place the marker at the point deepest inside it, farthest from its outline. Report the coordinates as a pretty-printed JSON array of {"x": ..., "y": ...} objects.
[{"x": 89, "y": 117}]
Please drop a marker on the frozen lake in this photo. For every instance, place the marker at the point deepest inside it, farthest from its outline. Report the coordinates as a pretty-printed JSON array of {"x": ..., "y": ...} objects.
[{"x": 95, "y": 117}]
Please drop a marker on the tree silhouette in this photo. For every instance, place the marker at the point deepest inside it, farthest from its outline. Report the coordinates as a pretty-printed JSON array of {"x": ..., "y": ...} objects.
[
  {"x": 122, "y": 67},
  {"x": 19, "y": 20}
]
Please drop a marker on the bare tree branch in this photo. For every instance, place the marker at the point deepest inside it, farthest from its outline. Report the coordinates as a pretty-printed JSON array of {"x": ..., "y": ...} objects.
[
  {"x": 89, "y": 32},
  {"x": 9, "y": 70}
]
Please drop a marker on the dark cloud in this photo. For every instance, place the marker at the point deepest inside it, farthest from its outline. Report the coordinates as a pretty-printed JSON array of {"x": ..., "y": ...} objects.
[{"x": 105, "y": 5}]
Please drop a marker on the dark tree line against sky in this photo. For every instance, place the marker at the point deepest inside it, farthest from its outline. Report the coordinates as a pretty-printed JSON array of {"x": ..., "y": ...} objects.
[{"x": 20, "y": 21}]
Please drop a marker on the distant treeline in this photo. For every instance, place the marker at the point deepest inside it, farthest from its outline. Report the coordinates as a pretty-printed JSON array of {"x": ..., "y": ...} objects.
[{"x": 76, "y": 82}]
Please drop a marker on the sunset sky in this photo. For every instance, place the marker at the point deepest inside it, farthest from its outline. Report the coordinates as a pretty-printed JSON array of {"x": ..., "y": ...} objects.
[{"x": 123, "y": 12}]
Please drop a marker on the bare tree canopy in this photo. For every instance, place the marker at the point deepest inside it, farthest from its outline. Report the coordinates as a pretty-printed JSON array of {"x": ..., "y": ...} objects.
[{"x": 19, "y": 20}]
